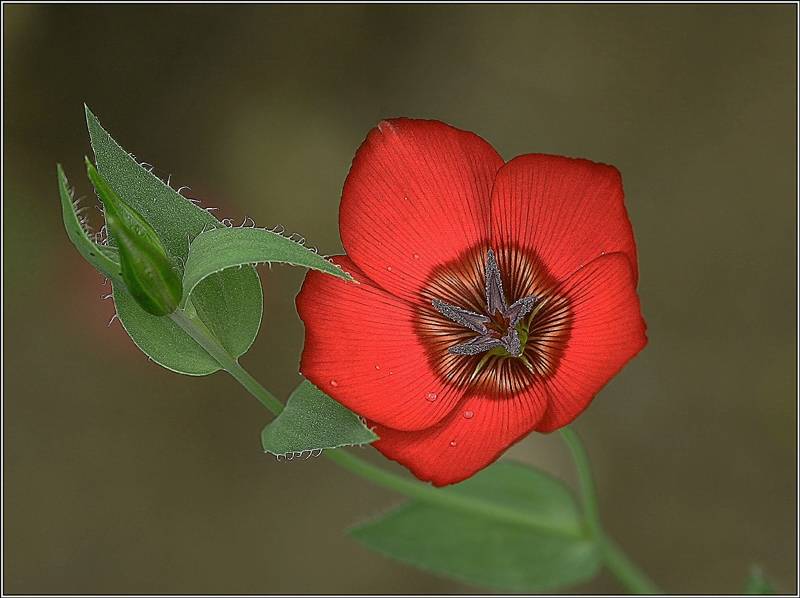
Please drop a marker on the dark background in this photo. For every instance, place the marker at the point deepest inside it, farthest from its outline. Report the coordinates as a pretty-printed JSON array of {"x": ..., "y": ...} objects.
[{"x": 121, "y": 477}]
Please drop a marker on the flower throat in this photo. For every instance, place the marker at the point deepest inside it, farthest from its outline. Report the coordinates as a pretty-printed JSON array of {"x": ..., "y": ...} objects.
[
  {"x": 474, "y": 338},
  {"x": 500, "y": 330}
]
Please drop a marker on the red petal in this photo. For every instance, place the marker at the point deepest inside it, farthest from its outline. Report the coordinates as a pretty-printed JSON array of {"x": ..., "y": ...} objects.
[
  {"x": 416, "y": 197},
  {"x": 567, "y": 211},
  {"x": 362, "y": 350},
  {"x": 472, "y": 437},
  {"x": 607, "y": 331}
]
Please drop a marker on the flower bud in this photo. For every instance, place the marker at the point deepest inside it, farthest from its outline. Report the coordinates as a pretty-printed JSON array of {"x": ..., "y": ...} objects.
[{"x": 146, "y": 270}]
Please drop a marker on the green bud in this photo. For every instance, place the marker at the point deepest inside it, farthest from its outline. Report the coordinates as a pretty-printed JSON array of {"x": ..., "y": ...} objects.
[{"x": 146, "y": 270}]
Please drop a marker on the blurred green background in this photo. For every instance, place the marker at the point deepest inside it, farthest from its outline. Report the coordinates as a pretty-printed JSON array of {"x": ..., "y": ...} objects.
[{"x": 121, "y": 477}]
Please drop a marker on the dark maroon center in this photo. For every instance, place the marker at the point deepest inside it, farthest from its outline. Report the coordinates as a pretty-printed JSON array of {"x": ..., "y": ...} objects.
[{"x": 494, "y": 321}]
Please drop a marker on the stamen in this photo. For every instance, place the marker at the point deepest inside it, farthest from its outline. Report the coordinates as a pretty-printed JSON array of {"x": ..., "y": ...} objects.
[
  {"x": 495, "y": 299},
  {"x": 512, "y": 343},
  {"x": 519, "y": 309},
  {"x": 459, "y": 315},
  {"x": 479, "y": 344}
]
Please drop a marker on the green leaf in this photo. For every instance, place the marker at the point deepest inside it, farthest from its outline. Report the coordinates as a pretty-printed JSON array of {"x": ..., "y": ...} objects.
[
  {"x": 171, "y": 215},
  {"x": 104, "y": 259},
  {"x": 487, "y": 551},
  {"x": 164, "y": 341},
  {"x": 313, "y": 421},
  {"x": 757, "y": 583},
  {"x": 221, "y": 248},
  {"x": 230, "y": 303}
]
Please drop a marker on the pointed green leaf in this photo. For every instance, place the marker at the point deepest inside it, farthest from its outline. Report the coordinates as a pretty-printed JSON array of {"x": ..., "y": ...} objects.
[
  {"x": 175, "y": 219},
  {"x": 757, "y": 583},
  {"x": 104, "y": 259},
  {"x": 230, "y": 303},
  {"x": 221, "y": 248},
  {"x": 484, "y": 551},
  {"x": 313, "y": 421}
]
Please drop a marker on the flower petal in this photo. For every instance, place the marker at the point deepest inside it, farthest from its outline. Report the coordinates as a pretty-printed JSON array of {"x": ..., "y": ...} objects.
[
  {"x": 607, "y": 331},
  {"x": 470, "y": 438},
  {"x": 416, "y": 197},
  {"x": 361, "y": 349},
  {"x": 568, "y": 211}
]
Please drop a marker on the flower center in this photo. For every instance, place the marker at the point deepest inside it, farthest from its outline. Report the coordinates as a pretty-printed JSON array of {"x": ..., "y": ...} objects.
[
  {"x": 499, "y": 328},
  {"x": 469, "y": 332}
]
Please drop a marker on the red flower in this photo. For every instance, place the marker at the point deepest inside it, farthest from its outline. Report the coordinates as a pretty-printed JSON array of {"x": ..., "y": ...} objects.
[{"x": 495, "y": 298}]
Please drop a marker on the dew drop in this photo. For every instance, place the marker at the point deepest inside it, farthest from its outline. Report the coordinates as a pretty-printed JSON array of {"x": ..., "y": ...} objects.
[
  {"x": 334, "y": 383},
  {"x": 389, "y": 268},
  {"x": 405, "y": 198},
  {"x": 377, "y": 367},
  {"x": 453, "y": 443},
  {"x": 432, "y": 396},
  {"x": 602, "y": 253},
  {"x": 468, "y": 414},
  {"x": 390, "y": 373},
  {"x": 416, "y": 256}
]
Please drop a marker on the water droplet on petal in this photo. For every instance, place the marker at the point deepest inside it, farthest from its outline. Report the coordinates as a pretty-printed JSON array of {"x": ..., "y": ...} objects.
[
  {"x": 389, "y": 268},
  {"x": 468, "y": 414},
  {"x": 405, "y": 198},
  {"x": 377, "y": 367},
  {"x": 390, "y": 373},
  {"x": 453, "y": 443},
  {"x": 416, "y": 256},
  {"x": 334, "y": 383},
  {"x": 432, "y": 396}
]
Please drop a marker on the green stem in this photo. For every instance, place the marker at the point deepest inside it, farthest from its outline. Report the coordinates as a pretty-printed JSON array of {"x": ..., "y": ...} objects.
[
  {"x": 203, "y": 337},
  {"x": 625, "y": 570},
  {"x": 617, "y": 562},
  {"x": 585, "y": 478}
]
